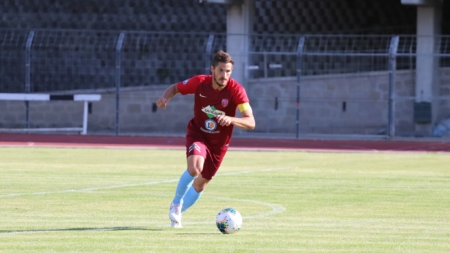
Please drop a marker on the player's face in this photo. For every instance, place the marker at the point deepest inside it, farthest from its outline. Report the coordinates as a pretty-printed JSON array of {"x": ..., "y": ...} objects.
[{"x": 221, "y": 74}]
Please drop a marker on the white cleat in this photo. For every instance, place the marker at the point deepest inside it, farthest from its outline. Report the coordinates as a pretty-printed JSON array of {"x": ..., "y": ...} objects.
[
  {"x": 175, "y": 215},
  {"x": 175, "y": 225}
]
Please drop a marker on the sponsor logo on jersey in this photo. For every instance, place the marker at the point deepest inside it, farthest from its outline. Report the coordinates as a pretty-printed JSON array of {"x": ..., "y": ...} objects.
[
  {"x": 185, "y": 81},
  {"x": 224, "y": 102},
  {"x": 212, "y": 112},
  {"x": 210, "y": 125},
  {"x": 209, "y": 132}
]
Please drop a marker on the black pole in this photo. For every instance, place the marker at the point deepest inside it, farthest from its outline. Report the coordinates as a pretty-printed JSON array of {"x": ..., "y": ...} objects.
[
  {"x": 118, "y": 75},
  {"x": 28, "y": 76},
  {"x": 301, "y": 43},
  {"x": 298, "y": 112}
]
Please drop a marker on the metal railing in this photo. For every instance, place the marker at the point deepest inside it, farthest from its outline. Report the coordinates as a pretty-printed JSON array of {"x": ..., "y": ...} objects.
[
  {"x": 36, "y": 61},
  {"x": 58, "y": 60}
]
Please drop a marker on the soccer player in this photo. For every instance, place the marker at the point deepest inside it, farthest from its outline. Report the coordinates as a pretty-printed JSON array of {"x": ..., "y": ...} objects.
[{"x": 217, "y": 97}]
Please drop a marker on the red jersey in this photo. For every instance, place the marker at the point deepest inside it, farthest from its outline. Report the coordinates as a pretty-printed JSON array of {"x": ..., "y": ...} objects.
[{"x": 208, "y": 103}]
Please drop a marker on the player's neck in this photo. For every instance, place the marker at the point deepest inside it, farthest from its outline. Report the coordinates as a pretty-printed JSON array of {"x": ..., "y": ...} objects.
[{"x": 216, "y": 87}]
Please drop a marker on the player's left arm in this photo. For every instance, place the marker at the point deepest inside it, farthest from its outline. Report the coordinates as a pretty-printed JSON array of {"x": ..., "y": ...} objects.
[{"x": 246, "y": 122}]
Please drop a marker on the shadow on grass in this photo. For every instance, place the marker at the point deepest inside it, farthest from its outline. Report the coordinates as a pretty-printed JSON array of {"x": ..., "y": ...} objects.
[{"x": 78, "y": 229}]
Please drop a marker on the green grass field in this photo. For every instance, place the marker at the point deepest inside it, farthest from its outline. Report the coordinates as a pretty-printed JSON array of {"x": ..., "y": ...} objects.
[{"x": 117, "y": 200}]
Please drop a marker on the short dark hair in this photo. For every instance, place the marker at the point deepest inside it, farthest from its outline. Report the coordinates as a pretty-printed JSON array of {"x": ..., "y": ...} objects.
[{"x": 222, "y": 56}]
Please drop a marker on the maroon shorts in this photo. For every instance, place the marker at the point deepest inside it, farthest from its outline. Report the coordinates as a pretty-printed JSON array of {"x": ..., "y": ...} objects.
[{"x": 213, "y": 156}]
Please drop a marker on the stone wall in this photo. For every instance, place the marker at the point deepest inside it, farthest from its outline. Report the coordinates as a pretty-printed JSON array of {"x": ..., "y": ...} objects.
[{"x": 340, "y": 104}]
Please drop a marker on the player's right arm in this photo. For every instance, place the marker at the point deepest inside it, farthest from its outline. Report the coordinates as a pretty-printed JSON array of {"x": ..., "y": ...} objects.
[{"x": 167, "y": 95}]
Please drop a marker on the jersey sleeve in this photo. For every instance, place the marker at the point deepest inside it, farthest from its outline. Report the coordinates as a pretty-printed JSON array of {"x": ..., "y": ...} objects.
[
  {"x": 240, "y": 96},
  {"x": 189, "y": 86}
]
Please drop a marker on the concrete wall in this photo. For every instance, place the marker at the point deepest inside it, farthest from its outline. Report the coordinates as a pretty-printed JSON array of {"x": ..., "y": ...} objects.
[{"x": 340, "y": 104}]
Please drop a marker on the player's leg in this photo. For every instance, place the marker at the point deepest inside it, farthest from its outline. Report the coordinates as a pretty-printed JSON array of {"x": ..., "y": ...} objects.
[
  {"x": 210, "y": 167},
  {"x": 194, "y": 192},
  {"x": 195, "y": 166},
  {"x": 195, "y": 152}
]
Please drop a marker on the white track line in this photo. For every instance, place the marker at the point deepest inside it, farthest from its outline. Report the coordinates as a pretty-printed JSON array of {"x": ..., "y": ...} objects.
[
  {"x": 88, "y": 189},
  {"x": 276, "y": 209},
  {"x": 129, "y": 185}
]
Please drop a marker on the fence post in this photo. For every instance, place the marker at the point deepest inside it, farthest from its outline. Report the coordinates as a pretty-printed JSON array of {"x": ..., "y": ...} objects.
[
  {"x": 266, "y": 65},
  {"x": 392, "y": 72},
  {"x": 208, "y": 50},
  {"x": 301, "y": 43},
  {"x": 28, "y": 75},
  {"x": 118, "y": 75}
]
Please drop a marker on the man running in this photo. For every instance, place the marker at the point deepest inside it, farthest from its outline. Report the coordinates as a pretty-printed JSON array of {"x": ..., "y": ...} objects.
[{"x": 217, "y": 97}]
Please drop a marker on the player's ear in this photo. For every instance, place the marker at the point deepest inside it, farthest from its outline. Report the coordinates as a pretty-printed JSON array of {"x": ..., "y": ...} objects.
[{"x": 212, "y": 69}]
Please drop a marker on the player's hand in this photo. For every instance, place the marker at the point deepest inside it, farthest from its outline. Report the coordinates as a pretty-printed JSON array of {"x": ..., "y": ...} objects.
[
  {"x": 162, "y": 103},
  {"x": 223, "y": 120}
]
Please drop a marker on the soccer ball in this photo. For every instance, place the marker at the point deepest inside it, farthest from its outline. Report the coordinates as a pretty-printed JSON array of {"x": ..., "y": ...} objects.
[{"x": 229, "y": 221}]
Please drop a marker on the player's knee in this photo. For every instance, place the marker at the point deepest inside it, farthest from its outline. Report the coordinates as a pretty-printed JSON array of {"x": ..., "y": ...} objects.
[
  {"x": 195, "y": 165},
  {"x": 199, "y": 186},
  {"x": 194, "y": 170},
  {"x": 200, "y": 183}
]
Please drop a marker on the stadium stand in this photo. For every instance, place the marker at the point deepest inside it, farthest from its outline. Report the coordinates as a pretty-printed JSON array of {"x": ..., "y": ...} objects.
[{"x": 59, "y": 24}]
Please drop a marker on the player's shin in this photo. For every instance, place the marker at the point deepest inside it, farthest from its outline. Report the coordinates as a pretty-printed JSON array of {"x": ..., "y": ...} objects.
[
  {"x": 184, "y": 184},
  {"x": 190, "y": 198}
]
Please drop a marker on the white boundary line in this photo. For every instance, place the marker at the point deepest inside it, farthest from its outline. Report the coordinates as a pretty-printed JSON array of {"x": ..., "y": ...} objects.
[
  {"x": 276, "y": 209},
  {"x": 131, "y": 185},
  {"x": 88, "y": 189}
]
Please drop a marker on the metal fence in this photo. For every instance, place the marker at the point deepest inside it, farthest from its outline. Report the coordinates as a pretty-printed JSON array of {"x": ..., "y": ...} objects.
[
  {"x": 61, "y": 60},
  {"x": 336, "y": 84}
]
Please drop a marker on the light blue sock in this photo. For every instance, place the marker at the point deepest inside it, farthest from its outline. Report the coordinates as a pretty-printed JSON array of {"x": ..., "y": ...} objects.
[
  {"x": 191, "y": 197},
  {"x": 184, "y": 184}
]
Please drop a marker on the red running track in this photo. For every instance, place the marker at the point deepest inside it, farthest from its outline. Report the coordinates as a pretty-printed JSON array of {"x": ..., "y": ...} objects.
[{"x": 54, "y": 140}]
